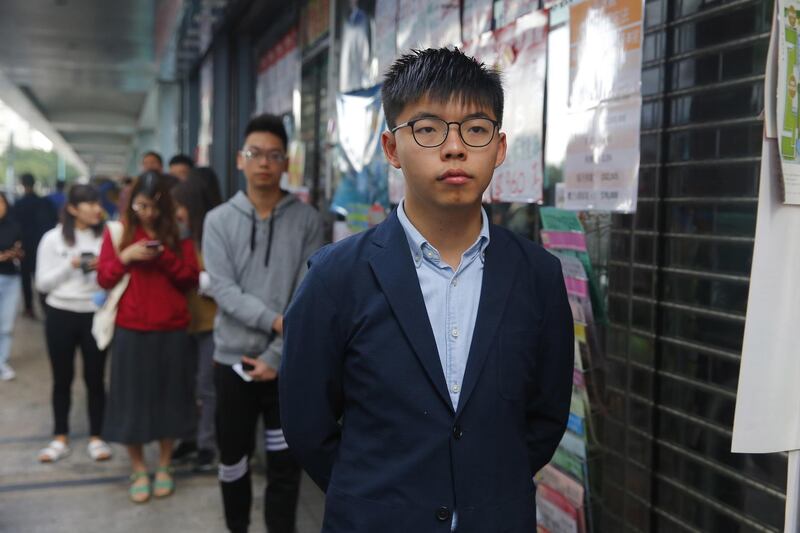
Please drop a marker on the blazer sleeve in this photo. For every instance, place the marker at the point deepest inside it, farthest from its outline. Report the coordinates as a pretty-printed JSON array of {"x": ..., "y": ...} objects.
[
  {"x": 548, "y": 409},
  {"x": 310, "y": 384}
]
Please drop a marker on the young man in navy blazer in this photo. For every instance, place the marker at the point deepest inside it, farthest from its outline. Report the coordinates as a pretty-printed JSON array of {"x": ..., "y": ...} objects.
[{"x": 427, "y": 366}]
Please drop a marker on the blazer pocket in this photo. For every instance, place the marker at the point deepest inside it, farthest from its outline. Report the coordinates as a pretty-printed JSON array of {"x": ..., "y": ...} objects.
[{"x": 516, "y": 362}]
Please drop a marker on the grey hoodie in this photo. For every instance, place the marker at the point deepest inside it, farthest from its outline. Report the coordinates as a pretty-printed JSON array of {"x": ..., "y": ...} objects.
[{"x": 255, "y": 266}]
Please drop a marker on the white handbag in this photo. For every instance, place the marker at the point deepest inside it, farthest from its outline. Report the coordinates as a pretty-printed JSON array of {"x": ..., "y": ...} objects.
[{"x": 106, "y": 316}]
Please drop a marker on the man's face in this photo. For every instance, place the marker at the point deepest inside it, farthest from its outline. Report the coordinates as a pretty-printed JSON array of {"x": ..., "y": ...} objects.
[
  {"x": 452, "y": 175},
  {"x": 180, "y": 171},
  {"x": 263, "y": 160},
  {"x": 151, "y": 162}
]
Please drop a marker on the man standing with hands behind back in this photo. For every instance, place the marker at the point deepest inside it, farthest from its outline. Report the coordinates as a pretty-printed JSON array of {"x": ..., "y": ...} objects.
[
  {"x": 255, "y": 248},
  {"x": 427, "y": 367}
]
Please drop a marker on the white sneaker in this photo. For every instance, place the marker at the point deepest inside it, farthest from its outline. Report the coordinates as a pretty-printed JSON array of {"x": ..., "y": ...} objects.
[
  {"x": 7, "y": 373},
  {"x": 53, "y": 452}
]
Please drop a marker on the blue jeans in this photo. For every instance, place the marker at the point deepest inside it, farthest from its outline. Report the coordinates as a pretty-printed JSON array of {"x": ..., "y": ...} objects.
[{"x": 9, "y": 297}]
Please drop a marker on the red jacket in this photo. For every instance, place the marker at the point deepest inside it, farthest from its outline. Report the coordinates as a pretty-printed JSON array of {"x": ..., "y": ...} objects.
[{"x": 154, "y": 299}]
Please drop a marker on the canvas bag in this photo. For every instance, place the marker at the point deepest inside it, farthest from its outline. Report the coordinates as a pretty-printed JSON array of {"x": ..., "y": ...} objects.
[{"x": 106, "y": 316}]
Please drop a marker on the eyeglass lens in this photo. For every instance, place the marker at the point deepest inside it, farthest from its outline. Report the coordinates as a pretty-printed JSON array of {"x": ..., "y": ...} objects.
[{"x": 475, "y": 132}]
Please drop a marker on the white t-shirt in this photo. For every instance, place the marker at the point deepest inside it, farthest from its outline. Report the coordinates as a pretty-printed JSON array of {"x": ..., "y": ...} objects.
[{"x": 67, "y": 288}]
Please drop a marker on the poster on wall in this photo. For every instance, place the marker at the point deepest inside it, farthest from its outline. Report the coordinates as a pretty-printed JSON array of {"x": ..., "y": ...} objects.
[
  {"x": 357, "y": 62},
  {"x": 386, "y": 27},
  {"x": 520, "y": 52},
  {"x": 427, "y": 24},
  {"x": 788, "y": 114},
  {"x": 363, "y": 187},
  {"x": 601, "y": 168},
  {"x": 204, "y": 135},
  {"x": 605, "y": 51},
  {"x": 602, "y": 160},
  {"x": 278, "y": 76},
  {"x": 476, "y": 19}
]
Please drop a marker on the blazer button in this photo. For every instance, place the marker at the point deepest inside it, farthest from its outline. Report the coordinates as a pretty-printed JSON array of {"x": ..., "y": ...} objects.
[
  {"x": 443, "y": 514},
  {"x": 457, "y": 432}
]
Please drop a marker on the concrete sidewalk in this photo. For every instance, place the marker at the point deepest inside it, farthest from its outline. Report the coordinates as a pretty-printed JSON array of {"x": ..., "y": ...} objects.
[{"x": 77, "y": 494}]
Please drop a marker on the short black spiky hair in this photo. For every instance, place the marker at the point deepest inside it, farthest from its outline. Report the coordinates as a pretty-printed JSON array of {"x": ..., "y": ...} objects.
[
  {"x": 440, "y": 74},
  {"x": 269, "y": 124}
]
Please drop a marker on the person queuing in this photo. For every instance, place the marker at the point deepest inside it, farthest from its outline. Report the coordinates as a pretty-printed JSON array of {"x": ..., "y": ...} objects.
[
  {"x": 191, "y": 206},
  {"x": 36, "y": 216},
  {"x": 180, "y": 165},
  {"x": 11, "y": 253},
  {"x": 65, "y": 270},
  {"x": 427, "y": 366},
  {"x": 151, "y": 388},
  {"x": 255, "y": 248},
  {"x": 152, "y": 161}
]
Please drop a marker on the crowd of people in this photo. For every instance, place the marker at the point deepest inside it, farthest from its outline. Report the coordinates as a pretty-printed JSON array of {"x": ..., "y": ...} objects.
[
  {"x": 424, "y": 370},
  {"x": 144, "y": 287}
]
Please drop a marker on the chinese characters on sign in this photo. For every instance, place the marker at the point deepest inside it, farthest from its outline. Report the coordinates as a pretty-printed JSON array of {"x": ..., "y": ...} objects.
[{"x": 602, "y": 161}]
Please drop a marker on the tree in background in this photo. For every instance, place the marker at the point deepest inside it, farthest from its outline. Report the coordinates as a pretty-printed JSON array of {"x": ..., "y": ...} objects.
[{"x": 43, "y": 165}]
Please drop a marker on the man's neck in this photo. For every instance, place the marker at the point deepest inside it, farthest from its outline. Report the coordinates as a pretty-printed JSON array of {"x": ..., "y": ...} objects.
[
  {"x": 264, "y": 199},
  {"x": 451, "y": 232}
]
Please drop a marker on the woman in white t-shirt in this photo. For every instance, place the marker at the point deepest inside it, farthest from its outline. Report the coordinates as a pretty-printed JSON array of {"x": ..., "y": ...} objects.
[{"x": 65, "y": 270}]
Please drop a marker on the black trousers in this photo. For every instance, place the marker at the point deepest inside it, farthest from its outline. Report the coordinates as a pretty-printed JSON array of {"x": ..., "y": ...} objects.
[
  {"x": 28, "y": 268},
  {"x": 239, "y": 404},
  {"x": 65, "y": 331}
]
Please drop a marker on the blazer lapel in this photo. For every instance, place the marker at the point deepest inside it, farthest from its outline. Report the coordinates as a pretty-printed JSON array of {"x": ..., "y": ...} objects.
[
  {"x": 499, "y": 272},
  {"x": 394, "y": 269}
]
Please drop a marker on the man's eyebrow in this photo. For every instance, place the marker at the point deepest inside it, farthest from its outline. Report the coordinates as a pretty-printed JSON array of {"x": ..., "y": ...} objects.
[
  {"x": 423, "y": 114},
  {"x": 428, "y": 114}
]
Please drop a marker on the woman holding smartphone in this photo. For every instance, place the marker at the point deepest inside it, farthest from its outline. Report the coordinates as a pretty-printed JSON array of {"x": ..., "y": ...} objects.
[
  {"x": 151, "y": 391},
  {"x": 65, "y": 270},
  {"x": 10, "y": 282}
]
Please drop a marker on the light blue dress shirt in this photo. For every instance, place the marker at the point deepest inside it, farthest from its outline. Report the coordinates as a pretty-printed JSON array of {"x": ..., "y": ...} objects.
[{"x": 451, "y": 298}]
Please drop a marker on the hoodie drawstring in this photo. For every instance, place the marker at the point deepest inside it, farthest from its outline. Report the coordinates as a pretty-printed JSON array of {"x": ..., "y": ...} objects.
[
  {"x": 253, "y": 235},
  {"x": 252, "y": 231},
  {"x": 269, "y": 239}
]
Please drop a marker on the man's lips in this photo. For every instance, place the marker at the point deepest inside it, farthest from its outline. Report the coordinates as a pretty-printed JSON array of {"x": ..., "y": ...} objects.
[{"x": 455, "y": 177}]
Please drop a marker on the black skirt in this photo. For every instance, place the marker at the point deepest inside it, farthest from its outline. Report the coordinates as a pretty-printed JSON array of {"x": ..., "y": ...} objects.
[{"x": 151, "y": 392}]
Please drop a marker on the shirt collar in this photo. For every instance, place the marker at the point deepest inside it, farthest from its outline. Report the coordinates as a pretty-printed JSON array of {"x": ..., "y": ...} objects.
[{"x": 417, "y": 242}]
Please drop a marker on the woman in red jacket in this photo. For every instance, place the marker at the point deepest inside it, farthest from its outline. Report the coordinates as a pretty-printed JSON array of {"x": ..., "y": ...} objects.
[{"x": 151, "y": 388}]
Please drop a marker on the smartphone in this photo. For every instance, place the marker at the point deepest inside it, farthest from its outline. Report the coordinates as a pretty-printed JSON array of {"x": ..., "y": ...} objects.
[
  {"x": 242, "y": 373},
  {"x": 152, "y": 244},
  {"x": 248, "y": 367},
  {"x": 86, "y": 258}
]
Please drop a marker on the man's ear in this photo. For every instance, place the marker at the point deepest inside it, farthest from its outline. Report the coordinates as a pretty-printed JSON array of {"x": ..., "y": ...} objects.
[
  {"x": 239, "y": 161},
  {"x": 389, "y": 144},
  {"x": 502, "y": 148}
]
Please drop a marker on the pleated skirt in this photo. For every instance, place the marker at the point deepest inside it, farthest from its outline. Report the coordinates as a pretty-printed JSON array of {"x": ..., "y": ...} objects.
[{"x": 151, "y": 388}]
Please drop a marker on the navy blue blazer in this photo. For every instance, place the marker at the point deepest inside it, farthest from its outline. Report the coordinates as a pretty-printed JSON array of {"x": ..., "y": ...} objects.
[{"x": 364, "y": 404}]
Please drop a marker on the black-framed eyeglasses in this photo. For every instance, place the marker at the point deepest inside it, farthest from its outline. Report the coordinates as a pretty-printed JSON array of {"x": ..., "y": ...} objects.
[
  {"x": 254, "y": 154},
  {"x": 431, "y": 132}
]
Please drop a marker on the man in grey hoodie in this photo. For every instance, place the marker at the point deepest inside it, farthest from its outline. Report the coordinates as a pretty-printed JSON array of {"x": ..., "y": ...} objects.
[{"x": 255, "y": 248}]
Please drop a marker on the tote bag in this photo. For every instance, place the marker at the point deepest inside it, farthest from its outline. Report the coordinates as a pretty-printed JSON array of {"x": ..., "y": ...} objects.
[{"x": 104, "y": 318}]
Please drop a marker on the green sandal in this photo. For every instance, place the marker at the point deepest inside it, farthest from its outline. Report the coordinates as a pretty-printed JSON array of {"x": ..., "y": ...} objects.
[
  {"x": 163, "y": 487},
  {"x": 139, "y": 493}
]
